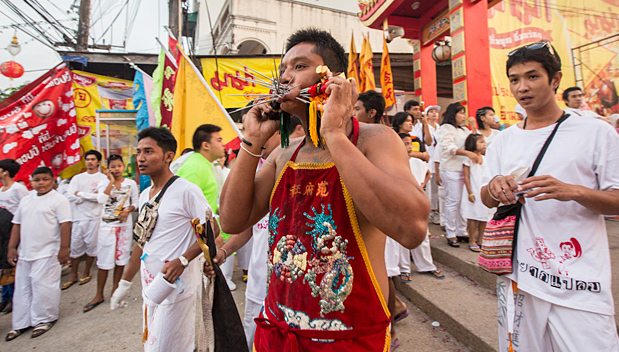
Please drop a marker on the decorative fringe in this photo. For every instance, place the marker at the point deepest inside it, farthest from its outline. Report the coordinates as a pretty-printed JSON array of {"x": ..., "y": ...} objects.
[
  {"x": 315, "y": 116},
  {"x": 145, "y": 334},
  {"x": 284, "y": 128}
]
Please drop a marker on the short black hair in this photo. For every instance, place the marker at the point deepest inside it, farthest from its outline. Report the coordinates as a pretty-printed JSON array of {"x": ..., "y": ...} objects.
[
  {"x": 450, "y": 114},
  {"x": 113, "y": 157},
  {"x": 95, "y": 153},
  {"x": 409, "y": 104},
  {"x": 43, "y": 170},
  {"x": 399, "y": 119},
  {"x": 203, "y": 134},
  {"x": 566, "y": 93},
  {"x": 373, "y": 100},
  {"x": 551, "y": 62},
  {"x": 470, "y": 143},
  {"x": 164, "y": 138},
  {"x": 481, "y": 112},
  {"x": 294, "y": 122},
  {"x": 330, "y": 50},
  {"x": 404, "y": 135},
  {"x": 186, "y": 150},
  {"x": 11, "y": 166}
]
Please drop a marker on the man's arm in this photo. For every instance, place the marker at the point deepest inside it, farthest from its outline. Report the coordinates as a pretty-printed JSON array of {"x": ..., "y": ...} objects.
[
  {"x": 174, "y": 268},
  {"x": 426, "y": 131},
  {"x": 421, "y": 155},
  {"x": 13, "y": 242},
  {"x": 65, "y": 240},
  {"x": 235, "y": 242},
  {"x": 91, "y": 197},
  {"x": 72, "y": 191},
  {"x": 133, "y": 266}
]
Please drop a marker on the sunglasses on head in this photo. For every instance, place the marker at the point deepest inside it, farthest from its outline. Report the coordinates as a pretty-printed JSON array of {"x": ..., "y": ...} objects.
[{"x": 534, "y": 46}]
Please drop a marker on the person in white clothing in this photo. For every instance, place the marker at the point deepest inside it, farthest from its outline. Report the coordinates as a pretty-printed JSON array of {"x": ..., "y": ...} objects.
[
  {"x": 488, "y": 124},
  {"x": 473, "y": 210},
  {"x": 10, "y": 195},
  {"x": 119, "y": 196},
  {"x": 561, "y": 282},
  {"x": 42, "y": 229},
  {"x": 420, "y": 122},
  {"x": 574, "y": 99},
  {"x": 451, "y": 136},
  {"x": 422, "y": 256},
  {"x": 86, "y": 211},
  {"x": 170, "y": 325},
  {"x": 432, "y": 112},
  {"x": 436, "y": 162}
]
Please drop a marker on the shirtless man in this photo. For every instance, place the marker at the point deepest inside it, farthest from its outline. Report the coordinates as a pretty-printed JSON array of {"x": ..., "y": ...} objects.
[{"x": 329, "y": 212}]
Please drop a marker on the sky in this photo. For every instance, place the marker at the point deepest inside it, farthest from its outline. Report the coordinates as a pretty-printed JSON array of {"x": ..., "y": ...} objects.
[{"x": 151, "y": 16}]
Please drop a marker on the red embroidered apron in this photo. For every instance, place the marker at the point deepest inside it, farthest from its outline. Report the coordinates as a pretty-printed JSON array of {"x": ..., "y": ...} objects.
[{"x": 322, "y": 294}]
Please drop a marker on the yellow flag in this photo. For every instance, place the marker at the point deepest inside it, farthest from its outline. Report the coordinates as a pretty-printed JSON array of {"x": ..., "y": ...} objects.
[
  {"x": 366, "y": 72},
  {"x": 386, "y": 77},
  {"x": 194, "y": 105},
  {"x": 353, "y": 64}
]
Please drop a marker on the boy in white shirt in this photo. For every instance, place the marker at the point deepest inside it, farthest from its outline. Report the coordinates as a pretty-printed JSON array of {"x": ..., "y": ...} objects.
[
  {"x": 561, "y": 281},
  {"x": 10, "y": 196},
  {"x": 42, "y": 228},
  {"x": 170, "y": 325},
  {"x": 86, "y": 210}
]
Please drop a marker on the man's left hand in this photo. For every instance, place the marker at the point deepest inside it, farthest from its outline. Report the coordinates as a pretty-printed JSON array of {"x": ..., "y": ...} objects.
[
  {"x": 123, "y": 216},
  {"x": 173, "y": 270},
  {"x": 342, "y": 97},
  {"x": 547, "y": 187}
]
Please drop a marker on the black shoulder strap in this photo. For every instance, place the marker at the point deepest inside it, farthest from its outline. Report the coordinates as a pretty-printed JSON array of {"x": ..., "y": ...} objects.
[
  {"x": 546, "y": 144},
  {"x": 170, "y": 181}
]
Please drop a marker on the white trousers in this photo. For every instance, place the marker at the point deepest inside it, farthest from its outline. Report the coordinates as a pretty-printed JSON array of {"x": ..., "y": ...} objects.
[
  {"x": 37, "y": 292},
  {"x": 252, "y": 310},
  {"x": 84, "y": 236},
  {"x": 244, "y": 254},
  {"x": 171, "y": 327},
  {"x": 538, "y": 325},
  {"x": 441, "y": 204},
  {"x": 432, "y": 191},
  {"x": 422, "y": 257},
  {"x": 455, "y": 224},
  {"x": 392, "y": 257},
  {"x": 227, "y": 268}
]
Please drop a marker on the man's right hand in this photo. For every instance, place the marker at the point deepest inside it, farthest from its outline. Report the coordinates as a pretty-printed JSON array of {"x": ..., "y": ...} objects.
[
  {"x": 258, "y": 127},
  {"x": 12, "y": 256}
]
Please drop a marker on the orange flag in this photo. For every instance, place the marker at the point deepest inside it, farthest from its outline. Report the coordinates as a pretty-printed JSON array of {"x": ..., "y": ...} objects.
[
  {"x": 386, "y": 77},
  {"x": 366, "y": 72},
  {"x": 353, "y": 64}
]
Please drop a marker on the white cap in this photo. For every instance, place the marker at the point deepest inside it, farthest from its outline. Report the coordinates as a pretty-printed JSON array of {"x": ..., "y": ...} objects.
[
  {"x": 438, "y": 109},
  {"x": 519, "y": 109}
]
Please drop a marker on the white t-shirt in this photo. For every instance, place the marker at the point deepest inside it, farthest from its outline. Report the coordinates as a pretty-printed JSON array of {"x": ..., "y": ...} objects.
[
  {"x": 562, "y": 251},
  {"x": 582, "y": 113},
  {"x": 173, "y": 234},
  {"x": 490, "y": 138},
  {"x": 256, "y": 289},
  {"x": 475, "y": 210},
  {"x": 419, "y": 169},
  {"x": 10, "y": 198},
  {"x": 40, "y": 218},
  {"x": 451, "y": 139},
  {"x": 118, "y": 200},
  {"x": 85, "y": 205}
]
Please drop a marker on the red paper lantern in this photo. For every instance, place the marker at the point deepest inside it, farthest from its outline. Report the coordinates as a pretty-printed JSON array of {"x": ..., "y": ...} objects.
[{"x": 11, "y": 69}]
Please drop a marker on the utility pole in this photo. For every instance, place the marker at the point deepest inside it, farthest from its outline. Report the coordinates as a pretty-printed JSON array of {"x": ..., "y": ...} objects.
[
  {"x": 174, "y": 18},
  {"x": 83, "y": 26}
]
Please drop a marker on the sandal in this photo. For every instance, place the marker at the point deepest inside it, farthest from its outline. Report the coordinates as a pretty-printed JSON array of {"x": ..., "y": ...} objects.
[
  {"x": 41, "y": 329},
  {"x": 13, "y": 334},
  {"x": 453, "y": 243},
  {"x": 91, "y": 306},
  {"x": 394, "y": 344},
  {"x": 405, "y": 277},
  {"x": 67, "y": 285},
  {"x": 400, "y": 316},
  {"x": 245, "y": 278},
  {"x": 463, "y": 239},
  {"x": 475, "y": 249},
  {"x": 438, "y": 273},
  {"x": 85, "y": 280}
]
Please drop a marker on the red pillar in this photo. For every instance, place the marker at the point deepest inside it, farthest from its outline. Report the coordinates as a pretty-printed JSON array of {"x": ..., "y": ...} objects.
[
  {"x": 428, "y": 75},
  {"x": 479, "y": 83}
]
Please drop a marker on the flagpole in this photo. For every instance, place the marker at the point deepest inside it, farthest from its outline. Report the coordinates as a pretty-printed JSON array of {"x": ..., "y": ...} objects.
[
  {"x": 137, "y": 68},
  {"x": 210, "y": 92},
  {"x": 167, "y": 52}
]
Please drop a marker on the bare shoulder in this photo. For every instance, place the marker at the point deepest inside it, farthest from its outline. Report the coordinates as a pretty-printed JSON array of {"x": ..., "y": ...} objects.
[
  {"x": 374, "y": 134},
  {"x": 281, "y": 156}
]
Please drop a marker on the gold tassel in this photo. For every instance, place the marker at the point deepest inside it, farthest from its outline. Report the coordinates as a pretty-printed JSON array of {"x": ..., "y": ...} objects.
[
  {"x": 145, "y": 334},
  {"x": 313, "y": 122}
]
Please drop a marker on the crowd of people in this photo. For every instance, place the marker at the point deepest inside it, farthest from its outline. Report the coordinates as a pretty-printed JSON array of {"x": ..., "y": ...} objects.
[{"x": 321, "y": 233}]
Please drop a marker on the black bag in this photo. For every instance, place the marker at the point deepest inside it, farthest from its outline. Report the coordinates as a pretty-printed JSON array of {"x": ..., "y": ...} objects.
[{"x": 147, "y": 219}]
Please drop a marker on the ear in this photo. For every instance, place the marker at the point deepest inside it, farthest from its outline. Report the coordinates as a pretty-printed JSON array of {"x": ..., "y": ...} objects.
[
  {"x": 205, "y": 145},
  {"x": 372, "y": 113},
  {"x": 556, "y": 80},
  {"x": 169, "y": 157}
]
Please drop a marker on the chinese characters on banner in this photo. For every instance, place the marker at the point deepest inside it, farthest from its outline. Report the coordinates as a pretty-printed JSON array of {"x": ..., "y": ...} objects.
[
  {"x": 38, "y": 125},
  {"x": 386, "y": 77}
]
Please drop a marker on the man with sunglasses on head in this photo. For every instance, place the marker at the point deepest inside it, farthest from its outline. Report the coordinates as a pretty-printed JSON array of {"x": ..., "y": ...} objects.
[{"x": 558, "y": 297}]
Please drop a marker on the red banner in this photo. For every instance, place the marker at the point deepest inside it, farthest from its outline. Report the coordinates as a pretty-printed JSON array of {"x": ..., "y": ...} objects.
[
  {"x": 167, "y": 92},
  {"x": 38, "y": 125},
  {"x": 518, "y": 37}
]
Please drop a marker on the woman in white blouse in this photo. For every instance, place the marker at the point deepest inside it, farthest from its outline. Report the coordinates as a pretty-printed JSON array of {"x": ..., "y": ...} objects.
[
  {"x": 451, "y": 136},
  {"x": 487, "y": 123}
]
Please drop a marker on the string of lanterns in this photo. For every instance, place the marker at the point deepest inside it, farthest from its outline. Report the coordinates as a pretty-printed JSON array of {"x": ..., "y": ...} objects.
[{"x": 11, "y": 68}]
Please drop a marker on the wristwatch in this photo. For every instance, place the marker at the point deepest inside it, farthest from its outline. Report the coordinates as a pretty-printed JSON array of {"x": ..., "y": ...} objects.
[{"x": 184, "y": 261}]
